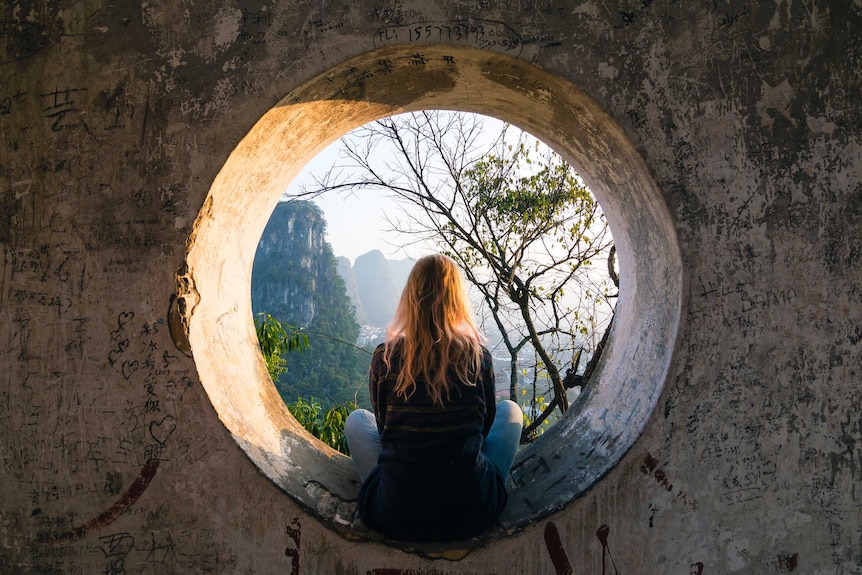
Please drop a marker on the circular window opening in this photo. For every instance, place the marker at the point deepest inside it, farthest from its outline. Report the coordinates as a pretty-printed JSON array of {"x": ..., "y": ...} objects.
[
  {"x": 436, "y": 181},
  {"x": 612, "y": 411}
]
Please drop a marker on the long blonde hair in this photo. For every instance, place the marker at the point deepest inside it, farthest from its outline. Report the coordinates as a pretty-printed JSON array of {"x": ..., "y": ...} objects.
[{"x": 434, "y": 330}]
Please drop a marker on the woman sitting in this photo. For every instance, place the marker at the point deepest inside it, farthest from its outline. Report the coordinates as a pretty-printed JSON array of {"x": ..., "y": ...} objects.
[{"x": 435, "y": 455}]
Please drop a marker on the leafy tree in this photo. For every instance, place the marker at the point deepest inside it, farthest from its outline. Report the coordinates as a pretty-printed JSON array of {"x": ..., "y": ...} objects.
[
  {"x": 518, "y": 219},
  {"x": 328, "y": 426},
  {"x": 277, "y": 339},
  {"x": 295, "y": 279}
]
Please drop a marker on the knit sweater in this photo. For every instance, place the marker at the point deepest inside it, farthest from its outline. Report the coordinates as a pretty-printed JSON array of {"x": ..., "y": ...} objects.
[{"x": 432, "y": 481}]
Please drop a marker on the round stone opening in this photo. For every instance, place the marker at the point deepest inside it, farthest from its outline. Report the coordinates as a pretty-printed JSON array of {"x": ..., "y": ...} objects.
[{"x": 214, "y": 290}]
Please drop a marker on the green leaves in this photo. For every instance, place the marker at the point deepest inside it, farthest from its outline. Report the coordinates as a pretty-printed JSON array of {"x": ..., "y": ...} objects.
[
  {"x": 524, "y": 193},
  {"x": 327, "y": 426},
  {"x": 332, "y": 426},
  {"x": 307, "y": 414},
  {"x": 520, "y": 222},
  {"x": 277, "y": 339}
]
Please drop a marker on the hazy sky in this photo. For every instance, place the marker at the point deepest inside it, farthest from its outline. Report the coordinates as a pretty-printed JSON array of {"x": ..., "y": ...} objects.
[{"x": 355, "y": 224}]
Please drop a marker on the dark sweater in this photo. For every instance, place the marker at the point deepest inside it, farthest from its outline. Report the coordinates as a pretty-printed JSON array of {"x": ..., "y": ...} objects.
[{"x": 432, "y": 482}]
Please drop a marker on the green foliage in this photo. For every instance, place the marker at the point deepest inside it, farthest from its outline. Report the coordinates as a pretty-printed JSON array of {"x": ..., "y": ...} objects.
[
  {"x": 527, "y": 206},
  {"x": 307, "y": 414},
  {"x": 295, "y": 279},
  {"x": 517, "y": 218},
  {"x": 332, "y": 426},
  {"x": 525, "y": 198},
  {"x": 328, "y": 426},
  {"x": 276, "y": 339},
  {"x": 533, "y": 405},
  {"x": 333, "y": 368}
]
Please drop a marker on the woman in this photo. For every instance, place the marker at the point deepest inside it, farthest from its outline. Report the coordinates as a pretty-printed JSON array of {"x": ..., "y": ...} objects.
[{"x": 435, "y": 455}]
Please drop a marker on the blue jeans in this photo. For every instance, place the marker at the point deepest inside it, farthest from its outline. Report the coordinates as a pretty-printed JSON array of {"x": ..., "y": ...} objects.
[{"x": 499, "y": 447}]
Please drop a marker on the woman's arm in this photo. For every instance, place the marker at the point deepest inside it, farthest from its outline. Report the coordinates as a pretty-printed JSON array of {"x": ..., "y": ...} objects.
[
  {"x": 376, "y": 373},
  {"x": 489, "y": 389}
]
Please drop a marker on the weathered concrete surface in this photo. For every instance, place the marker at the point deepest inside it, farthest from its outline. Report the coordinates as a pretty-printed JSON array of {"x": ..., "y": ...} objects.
[
  {"x": 124, "y": 452},
  {"x": 616, "y": 405}
]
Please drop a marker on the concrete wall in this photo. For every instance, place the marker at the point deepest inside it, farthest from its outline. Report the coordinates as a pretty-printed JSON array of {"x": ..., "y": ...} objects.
[{"x": 140, "y": 146}]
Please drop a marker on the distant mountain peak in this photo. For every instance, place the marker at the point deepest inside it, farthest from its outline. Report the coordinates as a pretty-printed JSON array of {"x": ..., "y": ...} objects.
[{"x": 378, "y": 282}]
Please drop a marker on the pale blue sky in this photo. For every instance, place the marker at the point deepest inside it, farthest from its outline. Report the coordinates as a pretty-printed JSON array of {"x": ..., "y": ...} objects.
[{"x": 355, "y": 222}]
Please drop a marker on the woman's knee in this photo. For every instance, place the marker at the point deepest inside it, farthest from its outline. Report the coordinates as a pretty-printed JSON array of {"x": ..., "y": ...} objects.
[
  {"x": 359, "y": 420},
  {"x": 508, "y": 410}
]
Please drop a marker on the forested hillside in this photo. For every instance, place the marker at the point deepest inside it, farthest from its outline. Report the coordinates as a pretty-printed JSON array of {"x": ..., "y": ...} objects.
[{"x": 295, "y": 279}]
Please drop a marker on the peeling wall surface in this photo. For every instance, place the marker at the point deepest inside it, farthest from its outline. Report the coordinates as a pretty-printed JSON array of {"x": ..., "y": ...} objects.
[{"x": 142, "y": 143}]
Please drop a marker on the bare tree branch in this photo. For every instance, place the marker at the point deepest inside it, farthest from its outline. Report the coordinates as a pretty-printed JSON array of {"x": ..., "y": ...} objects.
[{"x": 518, "y": 220}]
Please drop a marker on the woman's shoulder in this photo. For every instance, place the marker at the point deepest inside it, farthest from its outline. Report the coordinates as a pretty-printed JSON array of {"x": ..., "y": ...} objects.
[
  {"x": 486, "y": 362},
  {"x": 382, "y": 348},
  {"x": 377, "y": 356},
  {"x": 380, "y": 361}
]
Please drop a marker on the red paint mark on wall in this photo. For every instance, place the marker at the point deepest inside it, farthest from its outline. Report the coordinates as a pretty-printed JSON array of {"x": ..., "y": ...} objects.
[
  {"x": 556, "y": 550},
  {"x": 397, "y": 571},
  {"x": 561, "y": 562},
  {"x": 788, "y": 562},
  {"x": 650, "y": 467},
  {"x": 132, "y": 494},
  {"x": 295, "y": 533},
  {"x": 602, "y": 533}
]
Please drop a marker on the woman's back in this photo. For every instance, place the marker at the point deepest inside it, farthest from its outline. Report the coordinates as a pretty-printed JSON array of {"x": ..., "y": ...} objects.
[
  {"x": 422, "y": 454},
  {"x": 432, "y": 481},
  {"x": 422, "y": 438}
]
